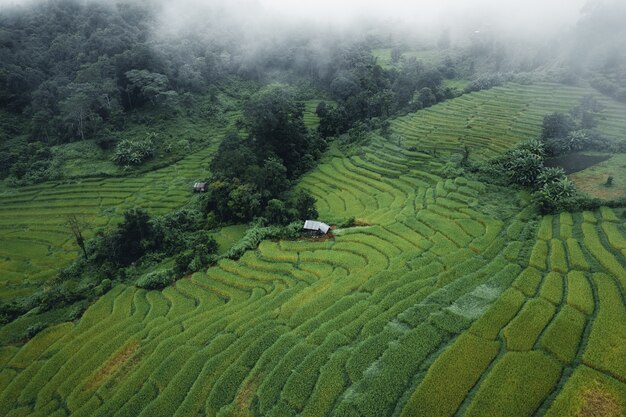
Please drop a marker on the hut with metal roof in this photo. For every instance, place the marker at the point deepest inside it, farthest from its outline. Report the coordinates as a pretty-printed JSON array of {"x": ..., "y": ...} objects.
[
  {"x": 200, "y": 187},
  {"x": 313, "y": 226}
]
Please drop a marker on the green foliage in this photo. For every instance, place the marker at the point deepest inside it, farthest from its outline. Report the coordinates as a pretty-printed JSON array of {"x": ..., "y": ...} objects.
[
  {"x": 524, "y": 167},
  {"x": 26, "y": 162},
  {"x": 557, "y": 125},
  {"x": 156, "y": 280},
  {"x": 257, "y": 233},
  {"x": 348, "y": 325},
  {"x": 377, "y": 393},
  {"x": 487, "y": 81},
  {"x": 593, "y": 243},
  {"x": 249, "y": 173},
  {"x": 521, "y": 165},
  {"x": 554, "y": 196},
  {"x": 133, "y": 152},
  {"x": 145, "y": 86},
  {"x": 545, "y": 228}
]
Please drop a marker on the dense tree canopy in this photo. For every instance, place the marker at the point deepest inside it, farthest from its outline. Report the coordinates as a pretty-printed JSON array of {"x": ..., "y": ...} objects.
[{"x": 252, "y": 175}]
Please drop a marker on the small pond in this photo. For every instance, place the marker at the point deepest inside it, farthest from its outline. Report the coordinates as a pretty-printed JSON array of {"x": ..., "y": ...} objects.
[{"x": 575, "y": 162}]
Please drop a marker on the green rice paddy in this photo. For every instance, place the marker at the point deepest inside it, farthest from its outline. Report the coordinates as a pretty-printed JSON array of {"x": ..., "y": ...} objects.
[
  {"x": 449, "y": 299},
  {"x": 489, "y": 122}
]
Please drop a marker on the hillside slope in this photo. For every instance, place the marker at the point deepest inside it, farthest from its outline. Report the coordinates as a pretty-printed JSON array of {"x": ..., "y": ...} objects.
[{"x": 450, "y": 297}]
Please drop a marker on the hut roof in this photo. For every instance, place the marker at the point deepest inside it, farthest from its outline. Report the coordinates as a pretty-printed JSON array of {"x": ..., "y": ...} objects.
[
  {"x": 317, "y": 226},
  {"x": 200, "y": 186}
]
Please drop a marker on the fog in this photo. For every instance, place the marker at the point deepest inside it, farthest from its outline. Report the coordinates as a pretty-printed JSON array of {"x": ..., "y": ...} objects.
[
  {"x": 525, "y": 18},
  {"x": 528, "y": 15},
  {"x": 524, "y": 26}
]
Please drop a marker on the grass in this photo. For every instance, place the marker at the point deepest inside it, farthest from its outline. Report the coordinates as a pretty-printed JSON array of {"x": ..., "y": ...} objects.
[
  {"x": 500, "y": 313},
  {"x": 605, "y": 348},
  {"x": 607, "y": 259},
  {"x": 451, "y": 377},
  {"x": 539, "y": 255},
  {"x": 491, "y": 121},
  {"x": 552, "y": 288},
  {"x": 229, "y": 235},
  {"x": 558, "y": 260},
  {"x": 528, "y": 281},
  {"x": 436, "y": 304},
  {"x": 562, "y": 337},
  {"x": 593, "y": 179},
  {"x": 576, "y": 257},
  {"x": 589, "y": 393},
  {"x": 524, "y": 330},
  {"x": 579, "y": 294},
  {"x": 516, "y": 385}
]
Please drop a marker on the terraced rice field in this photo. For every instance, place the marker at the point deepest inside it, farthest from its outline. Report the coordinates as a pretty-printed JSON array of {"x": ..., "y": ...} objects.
[
  {"x": 489, "y": 122},
  {"x": 311, "y": 120},
  {"x": 449, "y": 300},
  {"x": 35, "y": 240}
]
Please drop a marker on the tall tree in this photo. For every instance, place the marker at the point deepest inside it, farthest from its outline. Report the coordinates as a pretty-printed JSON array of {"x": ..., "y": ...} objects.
[{"x": 76, "y": 227}]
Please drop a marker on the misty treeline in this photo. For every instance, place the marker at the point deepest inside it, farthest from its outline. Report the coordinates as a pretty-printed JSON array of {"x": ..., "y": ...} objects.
[{"x": 73, "y": 71}]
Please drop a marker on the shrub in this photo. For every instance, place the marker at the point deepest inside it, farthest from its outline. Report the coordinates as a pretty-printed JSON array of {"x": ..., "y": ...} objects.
[
  {"x": 524, "y": 166},
  {"x": 256, "y": 234},
  {"x": 557, "y": 125},
  {"x": 487, "y": 81},
  {"x": 133, "y": 152},
  {"x": 553, "y": 197},
  {"x": 156, "y": 280},
  {"x": 32, "y": 330},
  {"x": 550, "y": 175}
]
